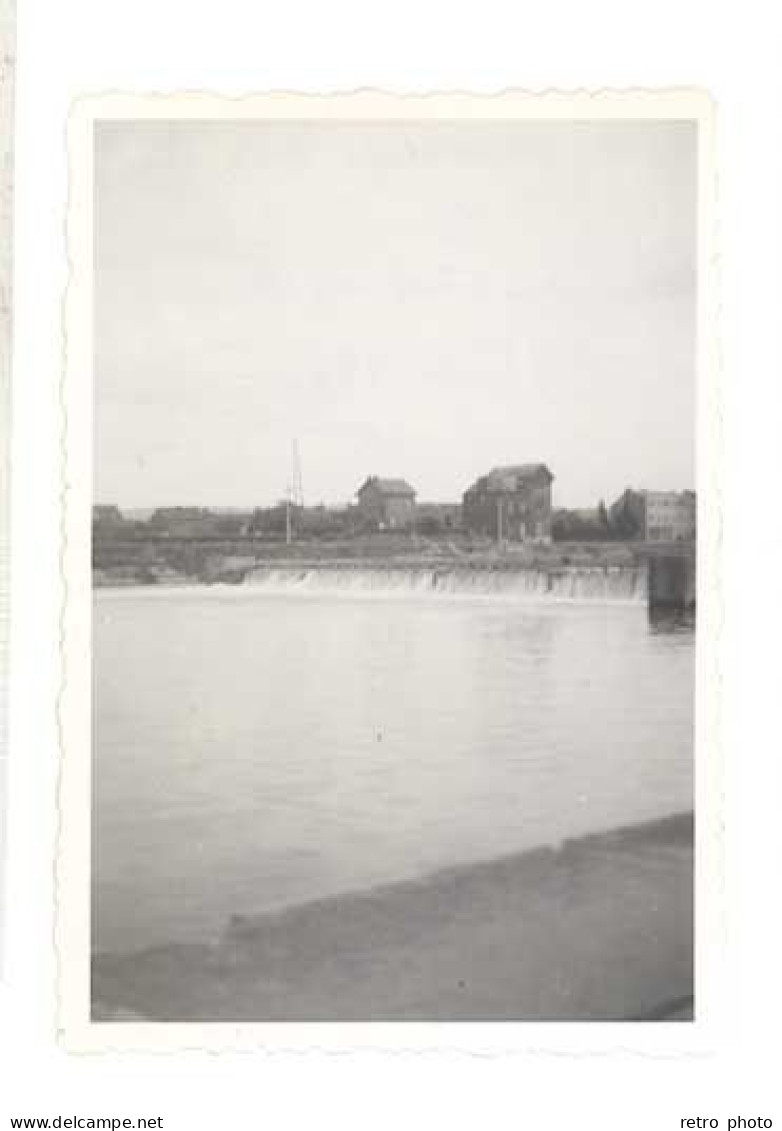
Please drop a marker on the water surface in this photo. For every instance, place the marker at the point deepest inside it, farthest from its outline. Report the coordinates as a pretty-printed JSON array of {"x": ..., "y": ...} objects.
[{"x": 256, "y": 749}]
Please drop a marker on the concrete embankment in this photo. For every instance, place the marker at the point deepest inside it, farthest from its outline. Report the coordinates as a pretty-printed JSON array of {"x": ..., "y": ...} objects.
[{"x": 600, "y": 928}]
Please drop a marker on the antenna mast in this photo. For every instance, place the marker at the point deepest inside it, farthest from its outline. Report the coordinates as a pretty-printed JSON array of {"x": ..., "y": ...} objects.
[
  {"x": 297, "y": 491},
  {"x": 295, "y": 496}
]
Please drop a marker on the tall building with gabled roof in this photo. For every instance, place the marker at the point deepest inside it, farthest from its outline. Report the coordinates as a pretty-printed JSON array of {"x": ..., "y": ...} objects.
[
  {"x": 388, "y": 504},
  {"x": 511, "y": 503}
]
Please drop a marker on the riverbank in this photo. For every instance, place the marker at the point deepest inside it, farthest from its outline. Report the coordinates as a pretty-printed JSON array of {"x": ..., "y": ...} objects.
[
  {"x": 600, "y": 928},
  {"x": 170, "y": 561}
]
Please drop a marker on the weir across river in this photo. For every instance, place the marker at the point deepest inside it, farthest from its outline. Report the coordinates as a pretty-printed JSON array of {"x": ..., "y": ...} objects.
[{"x": 661, "y": 575}]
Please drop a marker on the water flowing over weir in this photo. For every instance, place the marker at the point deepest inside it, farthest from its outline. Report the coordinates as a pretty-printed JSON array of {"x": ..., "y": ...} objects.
[{"x": 567, "y": 583}]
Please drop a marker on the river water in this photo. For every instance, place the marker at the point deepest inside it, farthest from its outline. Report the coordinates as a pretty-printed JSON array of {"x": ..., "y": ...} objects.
[{"x": 257, "y": 748}]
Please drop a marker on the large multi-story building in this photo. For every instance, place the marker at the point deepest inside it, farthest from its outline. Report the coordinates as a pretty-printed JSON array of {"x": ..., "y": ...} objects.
[
  {"x": 388, "y": 504},
  {"x": 511, "y": 504},
  {"x": 656, "y": 516}
]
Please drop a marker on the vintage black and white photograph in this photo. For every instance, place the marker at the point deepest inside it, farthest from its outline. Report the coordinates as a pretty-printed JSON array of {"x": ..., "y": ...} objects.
[{"x": 393, "y": 554}]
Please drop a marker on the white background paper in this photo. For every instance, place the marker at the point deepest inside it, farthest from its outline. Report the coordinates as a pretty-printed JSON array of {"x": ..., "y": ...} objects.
[
  {"x": 66, "y": 48},
  {"x": 7, "y": 45}
]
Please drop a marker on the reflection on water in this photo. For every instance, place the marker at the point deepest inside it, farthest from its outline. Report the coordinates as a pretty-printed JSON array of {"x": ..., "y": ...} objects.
[{"x": 254, "y": 750}]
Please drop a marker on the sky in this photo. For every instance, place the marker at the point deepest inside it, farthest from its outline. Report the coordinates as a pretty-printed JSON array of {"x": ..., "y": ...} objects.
[{"x": 423, "y": 300}]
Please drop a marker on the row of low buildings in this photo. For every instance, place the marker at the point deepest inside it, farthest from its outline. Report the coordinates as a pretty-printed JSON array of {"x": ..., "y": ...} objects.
[
  {"x": 507, "y": 504},
  {"x": 514, "y": 504},
  {"x": 656, "y": 516}
]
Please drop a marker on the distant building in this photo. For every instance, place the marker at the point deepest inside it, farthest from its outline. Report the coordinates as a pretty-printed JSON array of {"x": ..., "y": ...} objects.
[
  {"x": 511, "y": 504},
  {"x": 655, "y": 516},
  {"x": 627, "y": 515},
  {"x": 179, "y": 522},
  {"x": 670, "y": 516},
  {"x": 198, "y": 522},
  {"x": 107, "y": 516},
  {"x": 388, "y": 504}
]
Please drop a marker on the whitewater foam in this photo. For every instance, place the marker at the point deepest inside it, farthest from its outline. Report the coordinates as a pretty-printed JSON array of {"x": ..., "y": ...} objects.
[{"x": 571, "y": 583}]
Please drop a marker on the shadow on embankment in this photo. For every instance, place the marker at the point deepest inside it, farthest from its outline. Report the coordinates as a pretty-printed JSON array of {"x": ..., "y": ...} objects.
[{"x": 599, "y": 928}]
